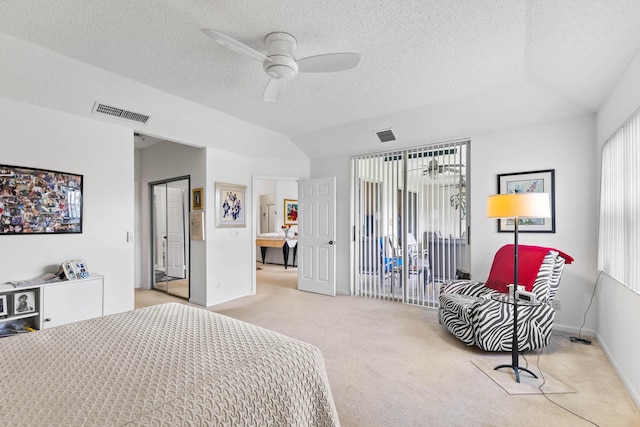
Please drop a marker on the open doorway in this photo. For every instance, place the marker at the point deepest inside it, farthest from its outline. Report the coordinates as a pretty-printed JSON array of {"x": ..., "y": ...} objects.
[
  {"x": 169, "y": 231},
  {"x": 271, "y": 196}
]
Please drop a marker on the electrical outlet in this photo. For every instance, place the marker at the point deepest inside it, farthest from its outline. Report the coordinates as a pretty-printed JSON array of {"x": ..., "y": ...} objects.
[{"x": 556, "y": 304}]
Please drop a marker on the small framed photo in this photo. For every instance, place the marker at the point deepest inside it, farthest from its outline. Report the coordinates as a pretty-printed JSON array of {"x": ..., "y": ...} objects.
[
  {"x": 542, "y": 181},
  {"x": 290, "y": 212},
  {"x": 3, "y": 305},
  {"x": 197, "y": 199},
  {"x": 231, "y": 208},
  {"x": 80, "y": 268},
  {"x": 69, "y": 270},
  {"x": 24, "y": 302}
]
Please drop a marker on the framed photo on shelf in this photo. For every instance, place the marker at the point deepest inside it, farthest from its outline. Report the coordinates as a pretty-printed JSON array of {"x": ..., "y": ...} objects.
[
  {"x": 197, "y": 200},
  {"x": 542, "y": 181},
  {"x": 24, "y": 302},
  {"x": 69, "y": 269},
  {"x": 80, "y": 267},
  {"x": 231, "y": 209},
  {"x": 290, "y": 212},
  {"x": 3, "y": 305}
]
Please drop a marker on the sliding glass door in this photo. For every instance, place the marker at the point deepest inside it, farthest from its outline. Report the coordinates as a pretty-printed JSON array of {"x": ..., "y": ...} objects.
[{"x": 410, "y": 219}]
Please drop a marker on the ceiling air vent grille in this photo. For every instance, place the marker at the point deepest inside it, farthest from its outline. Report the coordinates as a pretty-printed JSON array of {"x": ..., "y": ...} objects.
[
  {"x": 385, "y": 135},
  {"x": 119, "y": 112}
]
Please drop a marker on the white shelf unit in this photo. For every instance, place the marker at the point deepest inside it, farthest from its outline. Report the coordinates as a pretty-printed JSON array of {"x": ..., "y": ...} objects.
[{"x": 57, "y": 303}]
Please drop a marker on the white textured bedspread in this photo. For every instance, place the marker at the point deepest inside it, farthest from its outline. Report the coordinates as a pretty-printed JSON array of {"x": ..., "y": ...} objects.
[{"x": 170, "y": 365}]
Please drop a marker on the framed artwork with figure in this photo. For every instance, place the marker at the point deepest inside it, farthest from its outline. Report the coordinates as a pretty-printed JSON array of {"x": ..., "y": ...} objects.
[
  {"x": 231, "y": 209},
  {"x": 24, "y": 302},
  {"x": 542, "y": 181},
  {"x": 290, "y": 212},
  {"x": 196, "y": 199}
]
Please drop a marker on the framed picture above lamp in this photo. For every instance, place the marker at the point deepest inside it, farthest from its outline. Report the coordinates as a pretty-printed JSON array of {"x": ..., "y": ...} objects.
[{"x": 542, "y": 181}]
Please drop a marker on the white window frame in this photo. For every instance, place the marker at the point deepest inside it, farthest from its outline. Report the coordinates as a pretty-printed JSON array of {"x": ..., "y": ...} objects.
[{"x": 619, "y": 233}]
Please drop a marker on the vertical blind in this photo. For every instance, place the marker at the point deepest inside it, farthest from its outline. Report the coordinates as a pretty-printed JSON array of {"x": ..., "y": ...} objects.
[
  {"x": 619, "y": 246},
  {"x": 410, "y": 221}
]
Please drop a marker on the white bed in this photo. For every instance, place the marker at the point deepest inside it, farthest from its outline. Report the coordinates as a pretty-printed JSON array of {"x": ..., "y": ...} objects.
[{"x": 168, "y": 364}]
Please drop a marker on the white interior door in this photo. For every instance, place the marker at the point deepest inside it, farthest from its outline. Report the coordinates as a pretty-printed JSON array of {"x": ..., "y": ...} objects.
[
  {"x": 316, "y": 235},
  {"x": 175, "y": 233}
]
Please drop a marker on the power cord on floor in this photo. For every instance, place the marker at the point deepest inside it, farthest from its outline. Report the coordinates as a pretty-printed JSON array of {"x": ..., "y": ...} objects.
[
  {"x": 544, "y": 381},
  {"x": 579, "y": 338}
]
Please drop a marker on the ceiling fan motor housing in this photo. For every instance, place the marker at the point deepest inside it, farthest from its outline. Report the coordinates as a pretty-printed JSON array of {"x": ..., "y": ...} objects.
[{"x": 280, "y": 52}]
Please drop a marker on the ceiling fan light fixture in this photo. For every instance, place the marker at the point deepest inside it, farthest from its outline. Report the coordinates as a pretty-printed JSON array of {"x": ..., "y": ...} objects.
[
  {"x": 281, "y": 67},
  {"x": 280, "y": 64},
  {"x": 281, "y": 72}
]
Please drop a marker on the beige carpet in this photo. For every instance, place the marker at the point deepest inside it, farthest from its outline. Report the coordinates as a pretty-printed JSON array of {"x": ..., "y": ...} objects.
[{"x": 392, "y": 364}]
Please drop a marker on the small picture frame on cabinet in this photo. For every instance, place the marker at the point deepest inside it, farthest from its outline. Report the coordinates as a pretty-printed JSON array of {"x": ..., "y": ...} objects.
[
  {"x": 69, "y": 270},
  {"x": 3, "y": 305},
  {"x": 24, "y": 302},
  {"x": 81, "y": 270}
]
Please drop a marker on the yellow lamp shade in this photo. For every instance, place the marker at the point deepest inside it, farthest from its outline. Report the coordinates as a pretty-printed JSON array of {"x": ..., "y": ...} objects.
[{"x": 519, "y": 205}]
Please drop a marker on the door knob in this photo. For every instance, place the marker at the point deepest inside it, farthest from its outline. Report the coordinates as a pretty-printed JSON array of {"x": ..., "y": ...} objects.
[{"x": 331, "y": 242}]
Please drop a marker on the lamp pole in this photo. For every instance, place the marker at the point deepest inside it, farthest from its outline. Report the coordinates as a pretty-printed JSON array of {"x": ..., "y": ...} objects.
[{"x": 514, "y": 343}]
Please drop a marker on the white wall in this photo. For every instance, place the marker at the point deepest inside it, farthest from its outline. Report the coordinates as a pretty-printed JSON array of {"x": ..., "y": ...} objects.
[
  {"x": 230, "y": 251},
  {"x": 565, "y": 146},
  {"x": 618, "y": 309},
  {"x": 103, "y": 153}
]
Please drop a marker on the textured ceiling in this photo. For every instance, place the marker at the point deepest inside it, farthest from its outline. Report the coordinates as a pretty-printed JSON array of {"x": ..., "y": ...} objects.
[{"x": 545, "y": 59}]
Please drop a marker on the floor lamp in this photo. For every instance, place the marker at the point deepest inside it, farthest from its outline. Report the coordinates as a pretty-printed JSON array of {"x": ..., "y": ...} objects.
[{"x": 516, "y": 206}]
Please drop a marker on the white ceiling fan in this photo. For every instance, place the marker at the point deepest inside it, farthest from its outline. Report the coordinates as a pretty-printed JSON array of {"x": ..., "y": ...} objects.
[
  {"x": 434, "y": 169},
  {"x": 279, "y": 62}
]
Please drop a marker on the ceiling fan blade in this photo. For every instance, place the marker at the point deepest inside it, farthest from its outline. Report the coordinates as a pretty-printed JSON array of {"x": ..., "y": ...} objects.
[
  {"x": 234, "y": 45},
  {"x": 273, "y": 90},
  {"x": 328, "y": 62}
]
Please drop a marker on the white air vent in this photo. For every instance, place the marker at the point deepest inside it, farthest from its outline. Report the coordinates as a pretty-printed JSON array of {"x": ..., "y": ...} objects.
[
  {"x": 385, "y": 135},
  {"x": 119, "y": 112}
]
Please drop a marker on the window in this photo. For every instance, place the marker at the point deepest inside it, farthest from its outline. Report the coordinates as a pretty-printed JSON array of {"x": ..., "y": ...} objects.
[{"x": 619, "y": 245}]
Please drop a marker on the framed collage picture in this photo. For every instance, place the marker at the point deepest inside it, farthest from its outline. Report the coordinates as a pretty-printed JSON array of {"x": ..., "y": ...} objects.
[
  {"x": 39, "y": 201},
  {"x": 542, "y": 181}
]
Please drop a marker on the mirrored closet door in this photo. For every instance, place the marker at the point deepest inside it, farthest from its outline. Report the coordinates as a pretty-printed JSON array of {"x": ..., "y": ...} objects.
[{"x": 170, "y": 231}]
